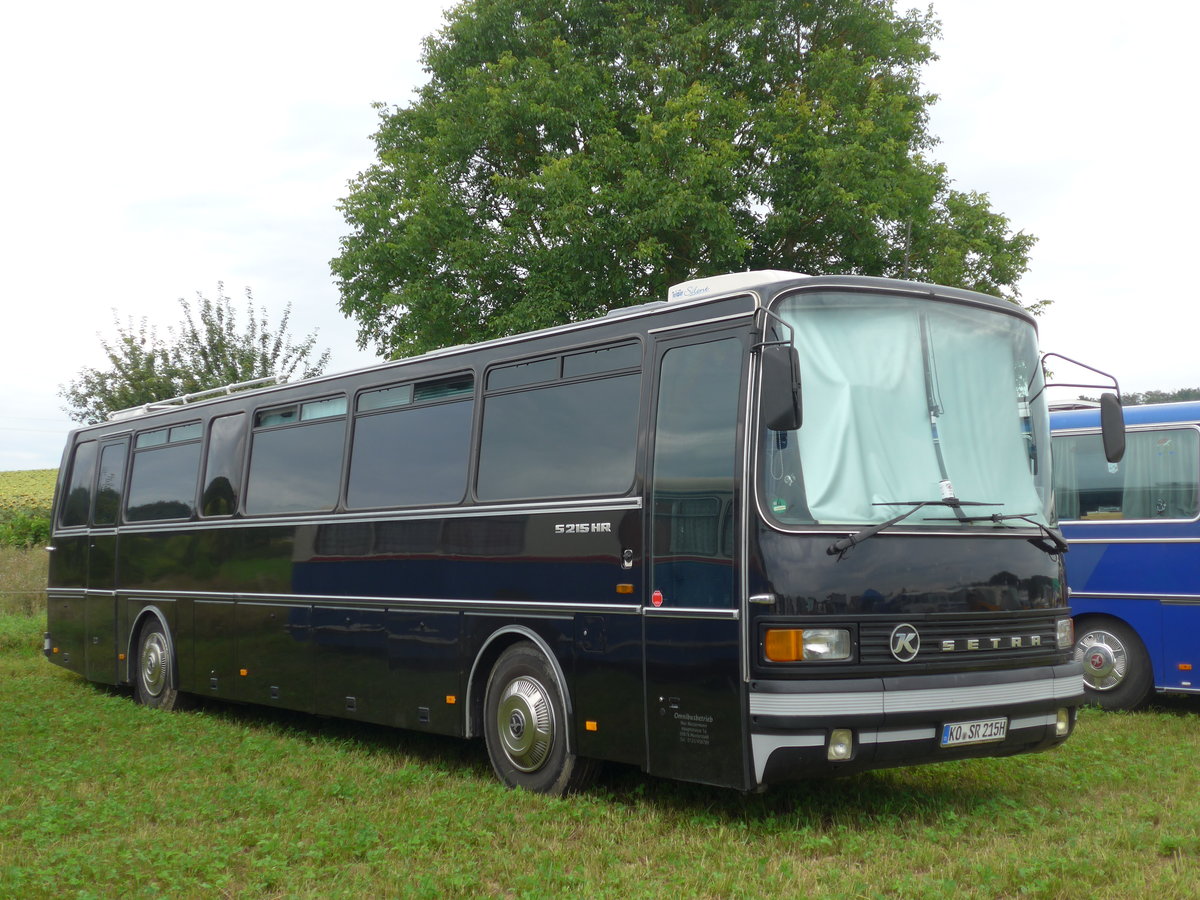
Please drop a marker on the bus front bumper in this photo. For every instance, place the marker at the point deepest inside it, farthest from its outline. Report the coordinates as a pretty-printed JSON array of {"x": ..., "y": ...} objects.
[{"x": 907, "y": 720}]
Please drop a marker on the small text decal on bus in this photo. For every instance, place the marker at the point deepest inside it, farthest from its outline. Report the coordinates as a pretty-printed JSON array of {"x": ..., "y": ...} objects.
[{"x": 584, "y": 528}]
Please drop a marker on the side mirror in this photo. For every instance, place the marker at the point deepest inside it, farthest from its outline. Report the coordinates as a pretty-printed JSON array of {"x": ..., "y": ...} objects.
[
  {"x": 1112, "y": 427},
  {"x": 781, "y": 405}
]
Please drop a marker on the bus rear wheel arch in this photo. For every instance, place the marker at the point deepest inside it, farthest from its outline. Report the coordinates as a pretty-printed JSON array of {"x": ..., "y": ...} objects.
[
  {"x": 1116, "y": 666},
  {"x": 525, "y": 725},
  {"x": 155, "y": 669}
]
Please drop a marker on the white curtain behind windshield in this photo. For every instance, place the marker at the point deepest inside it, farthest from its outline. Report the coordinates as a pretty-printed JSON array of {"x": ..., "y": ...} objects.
[{"x": 874, "y": 370}]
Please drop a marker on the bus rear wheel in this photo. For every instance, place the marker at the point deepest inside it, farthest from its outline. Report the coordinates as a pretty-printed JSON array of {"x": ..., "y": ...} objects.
[
  {"x": 525, "y": 725},
  {"x": 155, "y": 682},
  {"x": 1116, "y": 667}
]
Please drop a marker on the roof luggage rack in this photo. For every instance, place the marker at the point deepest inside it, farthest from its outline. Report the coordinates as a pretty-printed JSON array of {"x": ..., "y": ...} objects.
[{"x": 184, "y": 399}]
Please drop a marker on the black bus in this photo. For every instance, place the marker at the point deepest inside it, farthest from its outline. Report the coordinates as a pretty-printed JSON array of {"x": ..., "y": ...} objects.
[{"x": 771, "y": 527}]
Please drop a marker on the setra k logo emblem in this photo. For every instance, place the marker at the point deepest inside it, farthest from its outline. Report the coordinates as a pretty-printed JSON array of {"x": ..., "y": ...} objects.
[{"x": 905, "y": 642}]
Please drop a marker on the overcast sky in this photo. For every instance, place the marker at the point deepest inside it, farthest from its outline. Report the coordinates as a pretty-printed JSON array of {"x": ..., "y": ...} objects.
[{"x": 151, "y": 150}]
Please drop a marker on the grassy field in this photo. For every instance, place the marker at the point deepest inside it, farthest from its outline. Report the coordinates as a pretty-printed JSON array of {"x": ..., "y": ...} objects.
[
  {"x": 100, "y": 797},
  {"x": 22, "y": 581}
]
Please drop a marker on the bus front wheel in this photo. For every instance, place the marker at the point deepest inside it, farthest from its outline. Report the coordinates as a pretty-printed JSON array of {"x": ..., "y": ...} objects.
[
  {"x": 1116, "y": 667},
  {"x": 155, "y": 680},
  {"x": 525, "y": 725}
]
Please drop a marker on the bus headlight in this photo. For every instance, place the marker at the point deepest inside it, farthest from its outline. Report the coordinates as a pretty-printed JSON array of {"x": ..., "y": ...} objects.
[
  {"x": 806, "y": 644},
  {"x": 1065, "y": 633}
]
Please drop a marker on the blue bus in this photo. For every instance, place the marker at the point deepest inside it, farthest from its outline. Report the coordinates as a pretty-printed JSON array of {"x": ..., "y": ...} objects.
[{"x": 1133, "y": 568}]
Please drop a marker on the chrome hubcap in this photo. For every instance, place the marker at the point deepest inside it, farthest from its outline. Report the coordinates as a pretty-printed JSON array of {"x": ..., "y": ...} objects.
[
  {"x": 154, "y": 661},
  {"x": 525, "y": 723},
  {"x": 1104, "y": 660}
]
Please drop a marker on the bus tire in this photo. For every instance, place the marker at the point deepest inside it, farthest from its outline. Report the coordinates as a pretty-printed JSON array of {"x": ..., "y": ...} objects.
[
  {"x": 525, "y": 725},
  {"x": 1116, "y": 667},
  {"x": 155, "y": 679}
]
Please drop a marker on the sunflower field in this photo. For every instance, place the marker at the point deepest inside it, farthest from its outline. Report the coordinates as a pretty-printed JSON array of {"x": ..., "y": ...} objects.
[{"x": 25, "y": 499}]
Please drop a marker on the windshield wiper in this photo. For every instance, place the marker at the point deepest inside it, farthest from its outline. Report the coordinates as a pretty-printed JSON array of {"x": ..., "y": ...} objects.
[
  {"x": 1049, "y": 541},
  {"x": 840, "y": 547}
]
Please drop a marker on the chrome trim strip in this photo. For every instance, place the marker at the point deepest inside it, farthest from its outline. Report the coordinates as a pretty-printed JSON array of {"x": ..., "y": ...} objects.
[
  {"x": 687, "y": 612},
  {"x": 589, "y": 507},
  {"x": 531, "y": 607},
  {"x": 1032, "y": 722},
  {"x": 884, "y": 736},
  {"x": 748, "y": 420},
  {"x": 920, "y": 700},
  {"x": 1132, "y": 540},
  {"x": 1181, "y": 599}
]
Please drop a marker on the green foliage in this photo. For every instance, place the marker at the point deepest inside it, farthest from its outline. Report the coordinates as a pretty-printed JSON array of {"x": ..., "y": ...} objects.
[
  {"x": 208, "y": 349},
  {"x": 25, "y": 531},
  {"x": 567, "y": 158},
  {"x": 25, "y": 498},
  {"x": 1137, "y": 399}
]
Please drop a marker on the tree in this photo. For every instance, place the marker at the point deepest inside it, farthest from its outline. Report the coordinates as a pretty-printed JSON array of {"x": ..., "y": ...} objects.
[
  {"x": 1136, "y": 398},
  {"x": 206, "y": 350},
  {"x": 566, "y": 158}
]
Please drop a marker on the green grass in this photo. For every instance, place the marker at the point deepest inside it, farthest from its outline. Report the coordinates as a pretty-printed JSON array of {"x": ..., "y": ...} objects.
[{"x": 100, "y": 797}]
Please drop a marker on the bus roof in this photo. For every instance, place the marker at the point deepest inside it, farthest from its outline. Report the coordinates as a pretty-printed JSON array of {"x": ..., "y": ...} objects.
[{"x": 1146, "y": 414}]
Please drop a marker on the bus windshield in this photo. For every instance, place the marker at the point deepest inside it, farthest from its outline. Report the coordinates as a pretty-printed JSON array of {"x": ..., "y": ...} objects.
[{"x": 910, "y": 400}]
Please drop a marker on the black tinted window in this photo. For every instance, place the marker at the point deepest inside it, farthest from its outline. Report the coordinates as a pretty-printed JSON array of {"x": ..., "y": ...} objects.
[
  {"x": 695, "y": 456},
  {"x": 163, "y": 482},
  {"x": 523, "y": 373},
  {"x": 410, "y": 457},
  {"x": 564, "y": 440},
  {"x": 110, "y": 484},
  {"x": 223, "y": 470},
  {"x": 605, "y": 359},
  {"x": 79, "y": 485},
  {"x": 296, "y": 469}
]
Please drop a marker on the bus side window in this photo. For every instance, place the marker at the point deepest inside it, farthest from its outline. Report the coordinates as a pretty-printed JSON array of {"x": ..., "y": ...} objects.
[
  {"x": 110, "y": 484},
  {"x": 1158, "y": 478},
  {"x": 296, "y": 457},
  {"x": 166, "y": 464},
  {"x": 223, "y": 469},
  {"x": 78, "y": 500},
  {"x": 561, "y": 427}
]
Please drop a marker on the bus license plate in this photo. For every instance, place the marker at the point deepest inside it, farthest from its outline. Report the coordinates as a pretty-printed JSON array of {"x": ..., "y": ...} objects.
[{"x": 957, "y": 734}]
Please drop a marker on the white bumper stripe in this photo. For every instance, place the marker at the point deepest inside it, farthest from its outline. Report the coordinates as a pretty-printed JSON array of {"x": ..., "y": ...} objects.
[{"x": 921, "y": 700}]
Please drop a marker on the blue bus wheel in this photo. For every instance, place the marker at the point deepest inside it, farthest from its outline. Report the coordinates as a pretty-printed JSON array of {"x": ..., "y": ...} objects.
[{"x": 1116, "y": 667}]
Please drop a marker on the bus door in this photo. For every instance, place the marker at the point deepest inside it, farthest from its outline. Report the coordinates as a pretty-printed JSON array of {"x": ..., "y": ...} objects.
[
  {"x": 81, "y": 607},
  {"x": 100, "y": 607},
  {"x": 691, "y": 635}
]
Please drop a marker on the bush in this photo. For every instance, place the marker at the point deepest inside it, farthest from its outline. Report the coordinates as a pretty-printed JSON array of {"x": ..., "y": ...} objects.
[{"x": 25, "y": 531}]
